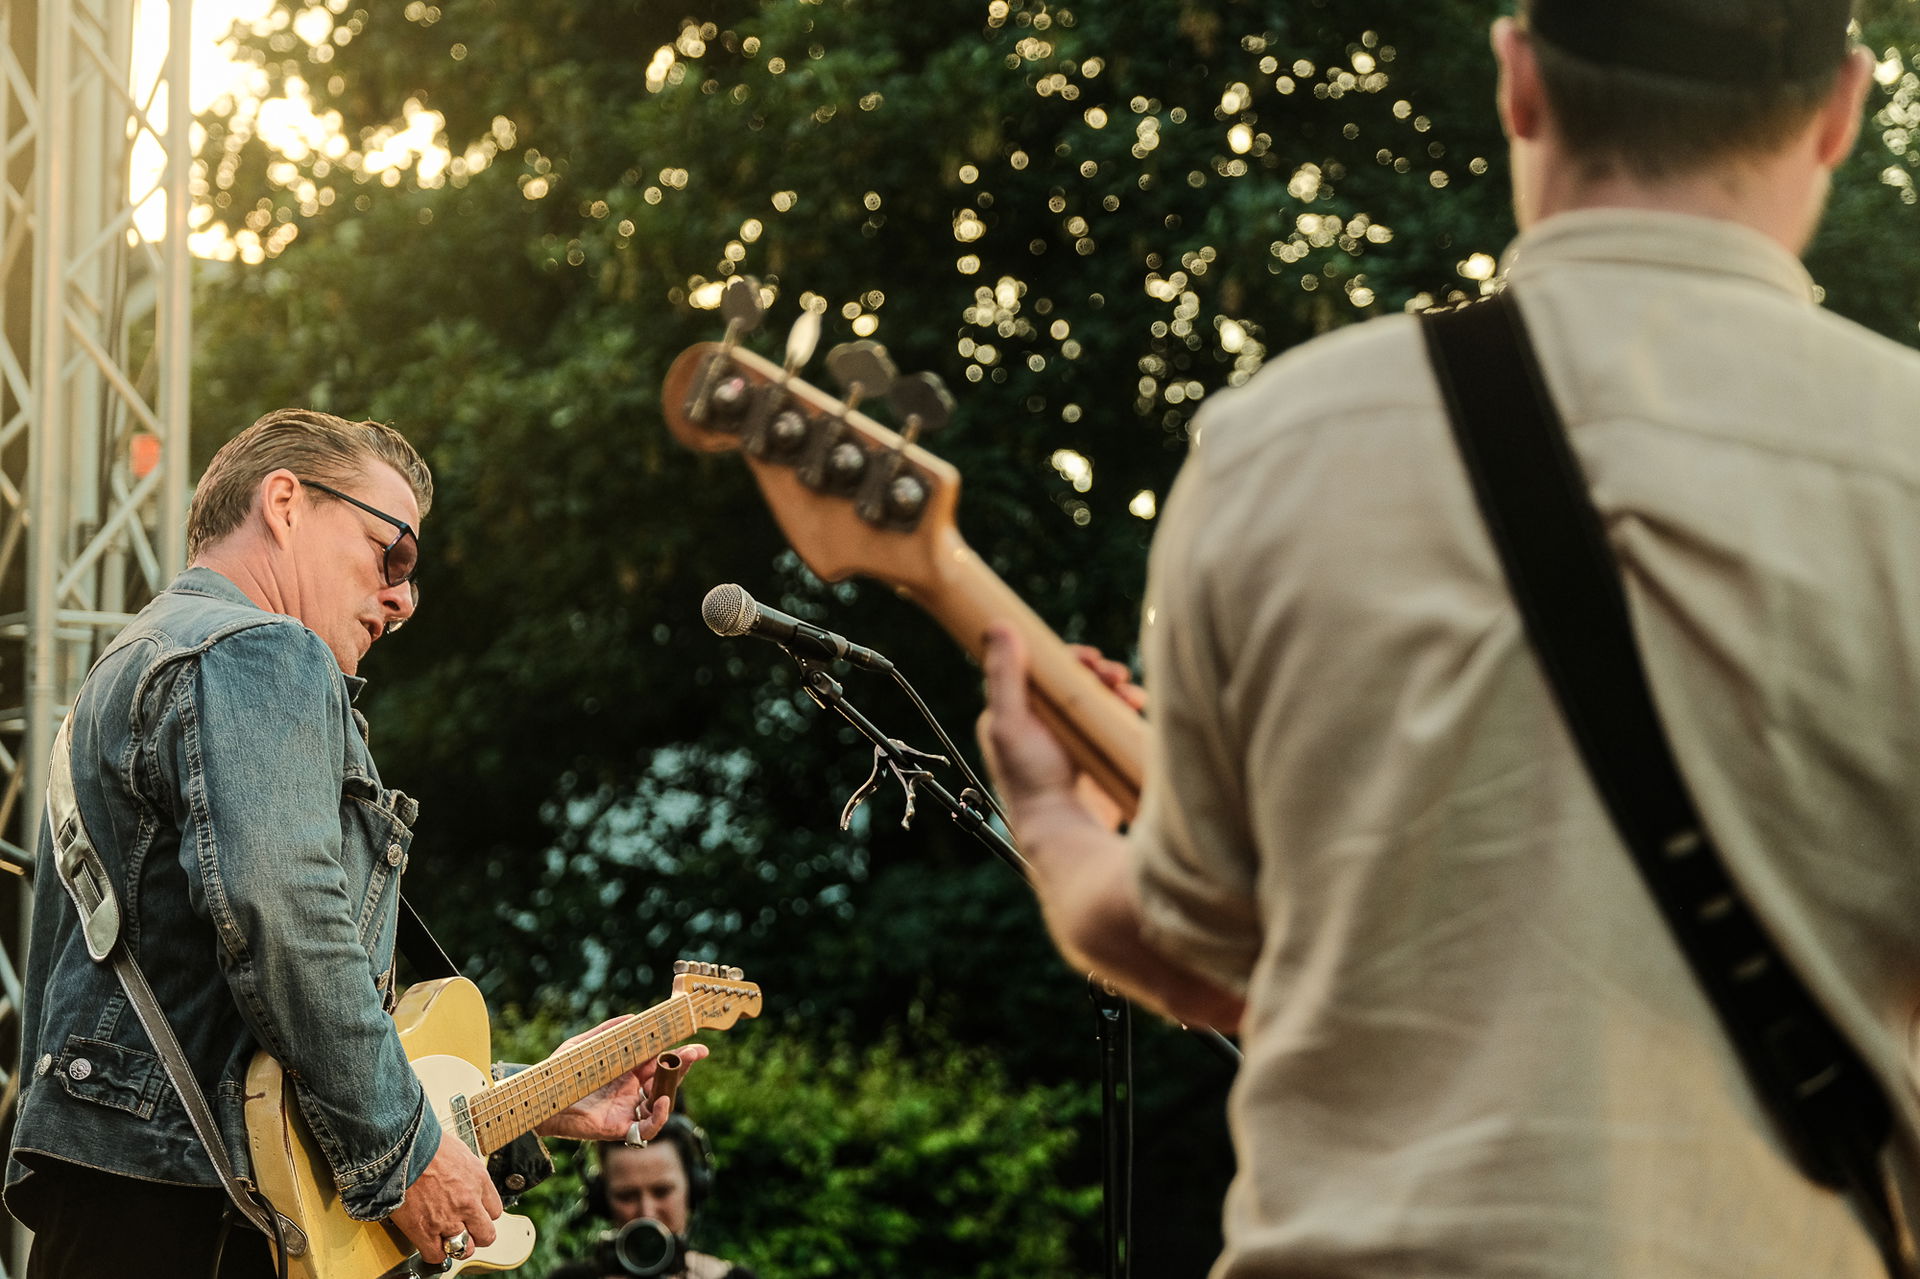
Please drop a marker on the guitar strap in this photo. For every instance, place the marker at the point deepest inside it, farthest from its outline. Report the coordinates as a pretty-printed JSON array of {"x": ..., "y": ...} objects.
[
  {"x": 85, "y": 878},
  {"x": 417, "y": 943},
  {"x": 1825, "y": 1102},
  {"x": 522, "y": 1163}
]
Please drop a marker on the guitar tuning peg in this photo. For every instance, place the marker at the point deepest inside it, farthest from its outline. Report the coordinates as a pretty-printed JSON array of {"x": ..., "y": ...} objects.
[
  {"x": 923, "y": 403},
  {"x": 863, "y": 364},
  {"x": 740, "y": 304},
  {"x": 735, "y": 974},
  {"x": 802, "y": 339},
  {"x": 680, "y": 967}
]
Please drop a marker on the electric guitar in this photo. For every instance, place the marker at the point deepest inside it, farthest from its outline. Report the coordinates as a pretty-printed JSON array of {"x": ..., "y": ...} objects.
[
  {"x": 853, "y": 497},
  {"x": 443, "y": 1028}
]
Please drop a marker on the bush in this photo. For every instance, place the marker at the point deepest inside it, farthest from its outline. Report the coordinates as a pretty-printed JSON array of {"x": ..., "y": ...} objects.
[{"x": 916, "y": 1158}]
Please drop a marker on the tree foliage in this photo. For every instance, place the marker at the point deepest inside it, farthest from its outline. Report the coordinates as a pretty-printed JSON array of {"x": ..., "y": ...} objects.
[
  {"x": 1085, "y": 219},
  {"x": 1054, "y": 211},
  {"x": 835, "y": 1159}
]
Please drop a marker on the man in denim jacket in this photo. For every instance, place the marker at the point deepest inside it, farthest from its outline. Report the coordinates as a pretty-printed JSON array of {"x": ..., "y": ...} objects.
[{"x": 221, "y": 770}]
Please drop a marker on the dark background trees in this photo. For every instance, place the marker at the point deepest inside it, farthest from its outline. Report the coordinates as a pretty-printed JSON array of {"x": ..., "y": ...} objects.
[{"x": 1086, "y": 220}]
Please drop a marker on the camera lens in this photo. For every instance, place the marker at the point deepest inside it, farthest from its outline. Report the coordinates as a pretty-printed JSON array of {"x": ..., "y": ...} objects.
[{"x": 643, "y": 1248}]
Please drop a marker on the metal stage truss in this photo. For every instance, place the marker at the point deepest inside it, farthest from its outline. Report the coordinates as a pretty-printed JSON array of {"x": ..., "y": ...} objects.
[{"x": 94, "y": 356}]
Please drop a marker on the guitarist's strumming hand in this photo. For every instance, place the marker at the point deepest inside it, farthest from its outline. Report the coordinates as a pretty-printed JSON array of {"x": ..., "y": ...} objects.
[
  {"x": 611, "y": 1113},
  {"x": 454, "y": 1194}
]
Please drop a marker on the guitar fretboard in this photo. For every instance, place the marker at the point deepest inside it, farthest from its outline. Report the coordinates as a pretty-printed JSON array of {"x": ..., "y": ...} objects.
[{"x": 524, "y": 1101}]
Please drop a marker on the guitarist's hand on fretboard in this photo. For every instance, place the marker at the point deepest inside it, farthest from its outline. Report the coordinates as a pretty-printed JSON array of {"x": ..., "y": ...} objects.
[
  {"x": 610, "y": 1113},
  {"x": 1117, "y": 676}
]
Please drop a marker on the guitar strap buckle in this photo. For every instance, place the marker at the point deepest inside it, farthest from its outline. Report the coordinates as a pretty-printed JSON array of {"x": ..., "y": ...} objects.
[{"x": 78, "y": 862}]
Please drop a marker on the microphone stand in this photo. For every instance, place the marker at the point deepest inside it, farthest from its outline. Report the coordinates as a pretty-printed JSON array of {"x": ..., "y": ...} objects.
[
  {"x": 827, "y": 693},
  {"x": 1113, "y": 1019}
]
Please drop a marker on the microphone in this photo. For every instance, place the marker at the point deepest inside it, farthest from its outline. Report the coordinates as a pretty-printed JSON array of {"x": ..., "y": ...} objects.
[{"x": 729, "y": 610}]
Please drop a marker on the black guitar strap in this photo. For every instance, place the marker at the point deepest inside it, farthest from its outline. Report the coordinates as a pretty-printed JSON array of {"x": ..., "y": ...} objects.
[{"x": 1827, "y": 1105}]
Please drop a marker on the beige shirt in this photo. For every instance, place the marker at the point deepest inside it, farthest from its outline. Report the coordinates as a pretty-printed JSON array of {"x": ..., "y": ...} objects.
[{"x": 1472, "y": 1047}]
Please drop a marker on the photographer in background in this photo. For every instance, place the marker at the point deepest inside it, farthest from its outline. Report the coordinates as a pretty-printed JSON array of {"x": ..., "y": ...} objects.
[{"x": 650, "y": 1192}]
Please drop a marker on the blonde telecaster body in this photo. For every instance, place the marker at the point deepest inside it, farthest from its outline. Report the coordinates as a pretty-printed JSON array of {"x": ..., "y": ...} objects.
[{"x": 444, "y": 1028}]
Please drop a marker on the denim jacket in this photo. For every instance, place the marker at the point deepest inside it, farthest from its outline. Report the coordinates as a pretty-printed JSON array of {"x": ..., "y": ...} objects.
[{"x": 225, "y": 778}]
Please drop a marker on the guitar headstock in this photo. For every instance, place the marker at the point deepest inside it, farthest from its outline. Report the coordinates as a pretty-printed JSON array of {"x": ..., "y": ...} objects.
[
  {"x": 718, "y": 995},
  {"x": 851, "y": 495}
]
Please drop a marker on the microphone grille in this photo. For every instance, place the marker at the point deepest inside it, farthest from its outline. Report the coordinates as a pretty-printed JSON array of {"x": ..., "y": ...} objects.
[{"x": 727, "y": 610}]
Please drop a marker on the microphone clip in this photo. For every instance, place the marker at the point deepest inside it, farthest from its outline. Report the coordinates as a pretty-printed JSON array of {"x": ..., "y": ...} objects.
[{"x": 895, "y": 763}]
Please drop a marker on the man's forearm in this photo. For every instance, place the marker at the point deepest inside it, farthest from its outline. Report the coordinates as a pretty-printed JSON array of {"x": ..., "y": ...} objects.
[{"x": 1082, "y": 875}]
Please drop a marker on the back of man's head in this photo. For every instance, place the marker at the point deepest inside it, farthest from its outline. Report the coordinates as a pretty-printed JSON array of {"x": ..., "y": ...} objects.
[
  {"x": 1652, "y": 89},
  {"x": 314, "y": 446}
]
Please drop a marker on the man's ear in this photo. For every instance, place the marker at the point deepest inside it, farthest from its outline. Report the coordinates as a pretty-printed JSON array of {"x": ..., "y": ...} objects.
[
  {"x": 1845, "y": 107},
  {"x": 281, "y": 501},
  {"x": 1521, "y": 97}
]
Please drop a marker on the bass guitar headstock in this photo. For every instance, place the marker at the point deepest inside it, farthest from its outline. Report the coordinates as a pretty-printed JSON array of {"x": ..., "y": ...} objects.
[
  {"x": 851, "y": 495},
  {"x": 855, "y": 497}
]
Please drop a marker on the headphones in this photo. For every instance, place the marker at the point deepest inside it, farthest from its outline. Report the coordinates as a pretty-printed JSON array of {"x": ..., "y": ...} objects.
[{"x": 689, "y": 1141}]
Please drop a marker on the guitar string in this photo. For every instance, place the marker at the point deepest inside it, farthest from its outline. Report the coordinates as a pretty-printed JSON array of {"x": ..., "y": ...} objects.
[
  {"x": 561, "y": 1079},
  {"x": 600, "y": 1059}
]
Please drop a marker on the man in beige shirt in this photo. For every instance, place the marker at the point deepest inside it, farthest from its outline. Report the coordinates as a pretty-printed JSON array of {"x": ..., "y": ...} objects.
[{"x": 1472, "y": 1046}]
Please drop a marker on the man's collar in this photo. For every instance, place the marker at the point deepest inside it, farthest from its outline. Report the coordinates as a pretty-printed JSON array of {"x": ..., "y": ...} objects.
[
  {"x": 1668, "y": 241},
  {"x": 200, "y": 580}
]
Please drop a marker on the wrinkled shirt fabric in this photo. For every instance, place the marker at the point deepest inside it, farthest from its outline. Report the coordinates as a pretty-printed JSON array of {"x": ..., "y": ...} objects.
[
  {"x": 1472, "y": 1046},
  {"x": 224, "y": 776}
]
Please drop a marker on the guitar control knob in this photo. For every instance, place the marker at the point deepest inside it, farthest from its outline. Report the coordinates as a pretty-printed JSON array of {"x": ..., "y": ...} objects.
[
  {"x": 905, "y": 496},
  {"x": 846, "y": 463}
]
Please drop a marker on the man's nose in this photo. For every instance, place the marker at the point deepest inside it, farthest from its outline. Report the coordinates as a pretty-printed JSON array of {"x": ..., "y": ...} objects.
[{"x": 400, "y": 601}]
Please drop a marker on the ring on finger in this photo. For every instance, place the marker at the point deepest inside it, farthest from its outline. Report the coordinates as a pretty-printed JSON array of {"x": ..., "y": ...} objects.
[{"x": 457, "y": 1247}]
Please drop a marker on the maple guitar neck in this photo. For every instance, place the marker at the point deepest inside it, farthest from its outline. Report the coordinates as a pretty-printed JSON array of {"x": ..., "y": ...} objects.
[
  {"x": 722, "y": 398},
  {"x": 523, "y": 1101},
  {"x": 1106, "y": 738}
]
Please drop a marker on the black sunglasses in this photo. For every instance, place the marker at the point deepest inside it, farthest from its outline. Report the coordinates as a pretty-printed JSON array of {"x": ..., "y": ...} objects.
[{"x": 398, "y": 558}]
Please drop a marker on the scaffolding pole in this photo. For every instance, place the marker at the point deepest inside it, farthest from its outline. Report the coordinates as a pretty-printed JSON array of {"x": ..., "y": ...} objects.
[{"x": 95, "y": 342}]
